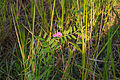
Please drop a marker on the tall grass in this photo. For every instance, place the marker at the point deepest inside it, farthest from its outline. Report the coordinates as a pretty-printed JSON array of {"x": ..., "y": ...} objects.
[{"x": 83, "y": 52}]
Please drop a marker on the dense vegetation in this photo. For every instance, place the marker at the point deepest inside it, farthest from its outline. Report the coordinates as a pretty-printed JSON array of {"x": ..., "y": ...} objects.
[{"x": 59, "y": 40}]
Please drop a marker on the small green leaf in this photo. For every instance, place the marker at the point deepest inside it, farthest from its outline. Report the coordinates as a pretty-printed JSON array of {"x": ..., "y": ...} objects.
[
  {"x": 70, "y": 30},
  {"x": 57, "y": 47},
  {"x": 65, "y": 39},
  {"x": 45, "y": 44},
  {"x": 61, "y": 39},
  {"x": 78, "y": 33},
  {"x": 68, "y": 36},
  {"x": 74, "y": 28},
  {"x": 37, "y": 37},
  {"x": 46, "y": 50},
  {"x": 73, "y": 36},
  {"x": 45, "y": 35},
  {"x": 67, "y": 32},
  {"x": 54, "y": 44},
  {"x": 51, "y": 41},
  {"x": 48, "y": 39},
  {"x": 41, "y": 39},
  {"x": 79, "y": 42}
]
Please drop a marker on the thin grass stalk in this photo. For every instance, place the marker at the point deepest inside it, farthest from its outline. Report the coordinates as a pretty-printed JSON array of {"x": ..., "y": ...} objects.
[
  {"x": 32, "y": 7},
  {"x": 111, "y": 54},
  {"x": 29, "y": 32},
  {"x": 112, "y": 63},
  {"x": 78, "y": 9},
  {"x": 23, "y": 55},
  {"x": 25, "y": 9},
  {"x": 90, "y": 41},
  {"x": 32, "y": 43},
  {"x": 84, "y": 11},
  {"x": 20, "y": 39},
  {"x": 83, "y": 41},
  {"x": 21, "y": 34},
  {"x": 39, "y": 12},
  {"x": 63, "y": 12},
  {"x": 50, "y": 2},
  {"x": 106, "y": 17},
  {"x": 106, "y": 60},
  {"x": 99, "y": 34},
  {"x": 93, "y": 13},
  {"x": 44, "y": 14},
  {"x": 97, "y": 48},
  {"x": 52, "y": 17},
  {"x": 17, "y": 2},
  {"x": 86, "y": 30},
  {"x": 83, "y": 52},
  {"x": 91, "y": 23},
  {"x": 108, "y": 53}
]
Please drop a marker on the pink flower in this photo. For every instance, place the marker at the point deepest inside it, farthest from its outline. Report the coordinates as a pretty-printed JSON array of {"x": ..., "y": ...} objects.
[
  {"x": 58, "y": 34},
  {"x": 54, "y": 35}
]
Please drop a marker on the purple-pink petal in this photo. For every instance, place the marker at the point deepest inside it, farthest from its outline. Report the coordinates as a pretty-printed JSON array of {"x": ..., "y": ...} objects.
[
  {"x": 59, "y": 34},
  {"x": 80, "y": 37},
  {"x": 54, "y": 35}
]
